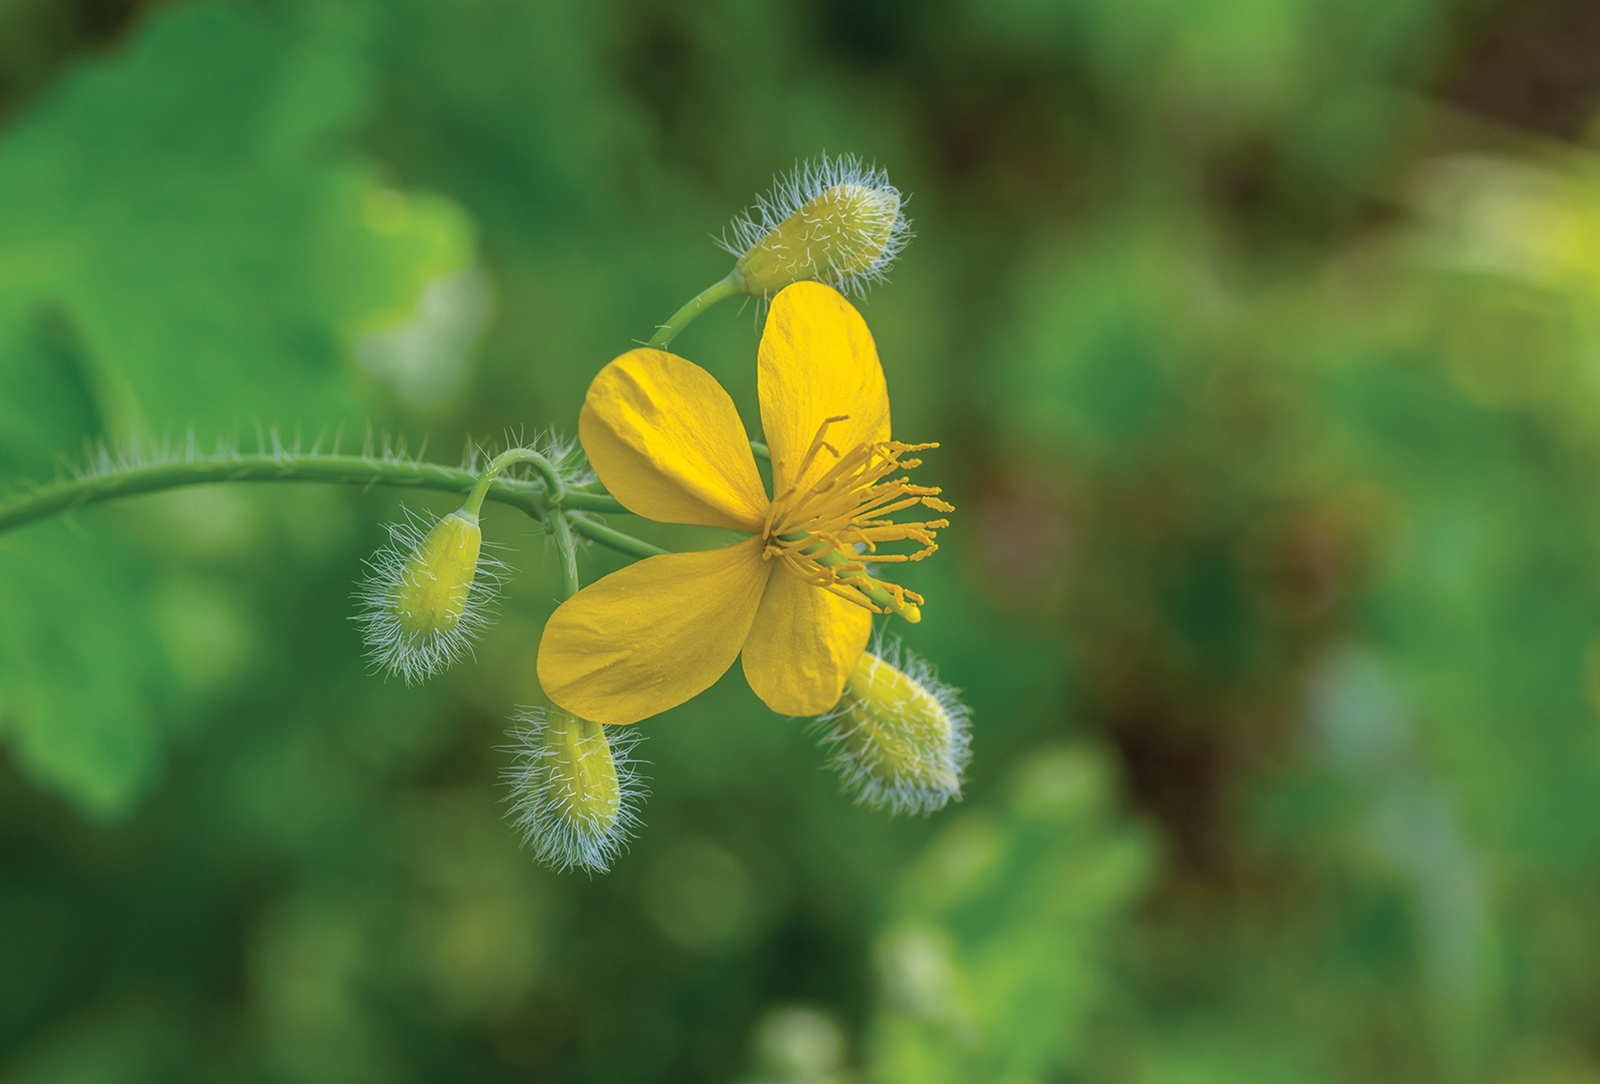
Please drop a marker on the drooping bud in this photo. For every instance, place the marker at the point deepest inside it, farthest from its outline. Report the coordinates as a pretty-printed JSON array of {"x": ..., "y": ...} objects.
[
  {"x": 899, "y": 735},
  {"x": 433, "y": 589},
  {"x": 574, "y": 788},
  {"x": 426, "y": 595},
  {"x": 836, "y": 221}
]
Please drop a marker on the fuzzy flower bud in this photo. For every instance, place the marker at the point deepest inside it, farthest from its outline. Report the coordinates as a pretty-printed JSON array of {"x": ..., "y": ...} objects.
[
  {"x": 574, "y": 788},
  {"x": 432, "y": 593},
  {"x": 899, "y": 735},
  {"x": 836, "y": 221},
  {"x": 426, "y": 596}
]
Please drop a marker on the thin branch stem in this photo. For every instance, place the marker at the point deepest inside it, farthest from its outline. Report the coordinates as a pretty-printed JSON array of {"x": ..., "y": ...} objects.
[
  {"x": 554, "y": 487},
  {"x": 607, "y": 536},
  {"x": 728, "y": 287},
  {"x": 561, "y": 531}
]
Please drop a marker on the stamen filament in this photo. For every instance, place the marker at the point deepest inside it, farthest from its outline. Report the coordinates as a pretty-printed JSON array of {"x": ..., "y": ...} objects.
[{"x": 819, "y": 529}]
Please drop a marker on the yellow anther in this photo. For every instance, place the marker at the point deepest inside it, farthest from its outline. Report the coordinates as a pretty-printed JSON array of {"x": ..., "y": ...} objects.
[{"x": 824, "y": 531}]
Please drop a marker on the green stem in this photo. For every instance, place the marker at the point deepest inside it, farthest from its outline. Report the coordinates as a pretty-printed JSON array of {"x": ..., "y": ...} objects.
[
  {"x": 554, "y": 518},
  {"x": 561, "y": 531},
  {"x": 733, "y": 284},
  {"x": 552, "y": 477},
  {"x": 527, "y": 495},
  {"x": 607, "y": 536}
]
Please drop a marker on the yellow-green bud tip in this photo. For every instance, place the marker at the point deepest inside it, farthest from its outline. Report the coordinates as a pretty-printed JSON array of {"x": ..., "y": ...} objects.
[
  {"x": 899, "y": 735},
  {"x": 836, "y": 221},
  {"x": 574, "y": 788},
  {"x": 426, "y": 595}
]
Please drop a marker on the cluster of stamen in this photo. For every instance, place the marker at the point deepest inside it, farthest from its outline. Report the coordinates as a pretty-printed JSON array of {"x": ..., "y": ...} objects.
[{"x": 828, "y": 530}]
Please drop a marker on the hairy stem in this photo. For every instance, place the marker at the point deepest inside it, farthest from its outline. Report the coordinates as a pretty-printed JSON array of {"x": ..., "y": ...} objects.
[
  {"x": 555, "y": 489},
  {"x": 526, "y": 495}
]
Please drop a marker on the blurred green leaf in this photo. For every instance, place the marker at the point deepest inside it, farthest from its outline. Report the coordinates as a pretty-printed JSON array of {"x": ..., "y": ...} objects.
[
  {"x": 994, "y": 961},
  {"x": 186, "y": 242}
]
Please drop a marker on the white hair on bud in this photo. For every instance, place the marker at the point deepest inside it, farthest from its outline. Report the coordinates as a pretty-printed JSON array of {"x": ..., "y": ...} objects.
[
  {"x": 544, "y": 812},
  {"x": 391, "y": 647},
  {"x": 792, "y": 191},
  {"x": 867, "y": 777}
]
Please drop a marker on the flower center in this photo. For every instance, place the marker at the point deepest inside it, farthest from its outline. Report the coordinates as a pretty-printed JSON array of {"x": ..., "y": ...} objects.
[{"x": 826, "y": 530}]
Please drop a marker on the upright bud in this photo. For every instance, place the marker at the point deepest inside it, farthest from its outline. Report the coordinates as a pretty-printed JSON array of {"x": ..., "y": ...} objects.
[
  {"x": 836, "y": 221},
  {"x": 426, "y": 596},
  {"x": 899, "y": 735},
  {"x": 574, "y": 788}
]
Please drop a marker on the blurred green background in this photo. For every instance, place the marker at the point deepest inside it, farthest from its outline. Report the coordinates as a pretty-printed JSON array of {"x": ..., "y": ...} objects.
[{"x": 1262, "y": 338}]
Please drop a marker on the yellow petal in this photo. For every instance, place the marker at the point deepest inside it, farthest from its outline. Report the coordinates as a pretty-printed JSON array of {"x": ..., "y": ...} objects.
[
  {"x": 803, "y": 645},
  {"x": 667, "y": 442},
  {"x": 817, "y": 361},
  {"x": 651, "y": 636}
]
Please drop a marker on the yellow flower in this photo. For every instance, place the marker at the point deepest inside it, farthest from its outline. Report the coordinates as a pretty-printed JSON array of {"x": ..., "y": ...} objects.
[{"x": 795, "y": 598}]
